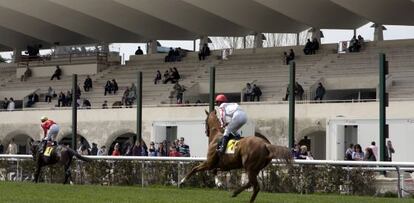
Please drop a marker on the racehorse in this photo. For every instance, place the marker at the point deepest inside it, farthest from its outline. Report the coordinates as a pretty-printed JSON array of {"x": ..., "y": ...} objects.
[
  {"x": 252, "y": 154},
  {"x": 57, "y": 154}
]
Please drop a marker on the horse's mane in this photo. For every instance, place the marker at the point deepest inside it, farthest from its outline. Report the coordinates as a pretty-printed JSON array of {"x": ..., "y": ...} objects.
[{"x": 257, "y": 134}]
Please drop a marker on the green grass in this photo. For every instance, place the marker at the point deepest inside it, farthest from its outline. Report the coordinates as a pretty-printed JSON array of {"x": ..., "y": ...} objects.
[{"x": 29, "y": 192}]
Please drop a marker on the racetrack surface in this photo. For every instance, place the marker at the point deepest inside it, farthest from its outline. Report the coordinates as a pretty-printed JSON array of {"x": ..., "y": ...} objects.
[{"x": 29, "y": 192}]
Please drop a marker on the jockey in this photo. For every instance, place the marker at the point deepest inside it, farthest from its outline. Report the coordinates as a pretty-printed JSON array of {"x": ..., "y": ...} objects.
[
  {"x": 50, "y": 131},
  {"x": 231, "y": 117}
]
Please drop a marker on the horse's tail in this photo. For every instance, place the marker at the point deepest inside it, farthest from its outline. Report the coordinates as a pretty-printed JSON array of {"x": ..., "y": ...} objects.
[
  {"x": 80, "y": 157},
  {"x": 279, "y": 152}
]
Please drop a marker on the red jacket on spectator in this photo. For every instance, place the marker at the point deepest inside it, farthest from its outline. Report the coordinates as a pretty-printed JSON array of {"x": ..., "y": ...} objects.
[
  {"x": 174, "y": 153},
  {"x": 116, "y": 153}
]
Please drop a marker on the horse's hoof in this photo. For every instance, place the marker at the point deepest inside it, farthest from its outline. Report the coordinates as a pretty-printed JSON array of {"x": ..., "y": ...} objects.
[{"x": 70, "y": 183}]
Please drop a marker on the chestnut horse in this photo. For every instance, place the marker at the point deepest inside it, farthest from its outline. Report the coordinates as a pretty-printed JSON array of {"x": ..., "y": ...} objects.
[{"x": 252, "y": 154}]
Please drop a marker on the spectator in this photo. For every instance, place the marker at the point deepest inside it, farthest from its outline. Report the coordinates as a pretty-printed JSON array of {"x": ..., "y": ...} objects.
[
  {"x": 315, "y": 46},
  {"x": 125, "y": 97},
  {"x": 12, "y": 149},
  {"x": 83, "y": 150},
  {"x": 179, "y": 92},
  {"x": 204, "y": 51},
  {"x": 32, "y": 99},
  {"x": 360, "y": 43},
  {"x": 94, "y": 149},
  {"x": 114, "y": 86},
  {"x": 139, "y": 149},
  {"x": 102, "y": 151},
  {"x": 49, "y": 94},
  {"x": 358, "y": 154},
  {"x": 61, "y": 99},
  {"x": 296, "y": 151},
  {"x": 11, "y": 105},
  {"x": 132, "y": 95},
  {"x": 87, "y": 84},
  {"x": 139, "y": 51},
  {"x": 247, "y": 95},
  {"x": 320, "y": 92},
  {"x": 389, "y": 150},
  {"x": 86, "y": 104},
  {"x": 353, "y": 45},
  {"x": 116, "y": 151},
  {"x": 369, "y": 155},
  {"x": 289, "y": 57},
  {"x": 299, "y": 91},
  {"x": 78, "y": 92},
  {"x": 152, "y": 151},
  {"x": 5, "y": 103},
  {"x": 108, "y": 87},
  {"x": 57, "y": 74},
  {"x": 374, "y": 149},
  {"x": 1, "y": 148},
  {"x": 157, "y": 77},
  {"x": 349, "y": 151},
  {"x": 162, "y": 149},
  {"x": 287, "y": 94},
  {"x": 183, "y": 148},
  {"x": 170, "y": 56},
  {"x": 304, "y": 153},
  {"x": 105, "y": 105},
  {"x": 257, "y": 92},
  {"x": 68, "y": 101},
  {"x": 168, "y": 77},
  {"x": 173, "y": 152},
  {"x": 175, "y": 75},
  {"x": 308, "y": 48},
  {"x": 27, "y": 74}
]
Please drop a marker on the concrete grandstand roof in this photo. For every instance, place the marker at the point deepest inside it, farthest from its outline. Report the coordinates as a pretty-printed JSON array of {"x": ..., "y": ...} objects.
[{"x": 25, "y": 22}]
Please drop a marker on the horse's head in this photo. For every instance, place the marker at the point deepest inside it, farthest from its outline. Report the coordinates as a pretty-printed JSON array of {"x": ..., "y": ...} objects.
[{"x": 212, "y": 125}]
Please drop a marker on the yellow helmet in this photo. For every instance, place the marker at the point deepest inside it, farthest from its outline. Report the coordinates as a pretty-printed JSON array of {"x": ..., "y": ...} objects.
[{"x": 44, "y": 118}]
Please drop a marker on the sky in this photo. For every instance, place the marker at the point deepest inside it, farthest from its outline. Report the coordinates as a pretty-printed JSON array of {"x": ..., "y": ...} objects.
[{"x": 330, "y": 36}]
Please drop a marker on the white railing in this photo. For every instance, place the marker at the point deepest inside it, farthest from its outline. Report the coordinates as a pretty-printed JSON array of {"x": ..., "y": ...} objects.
[{"x": 347, "y": 165}]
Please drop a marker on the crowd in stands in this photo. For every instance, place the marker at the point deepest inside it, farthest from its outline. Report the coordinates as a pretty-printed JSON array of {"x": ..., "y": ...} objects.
[
  {"x": 252, "y": 93},
  {"x": 356, "y": 44},
  {"x": 311, "y": 47},
  {"x": 175, "y": 55},
  {"x": 355, "y": 152}
]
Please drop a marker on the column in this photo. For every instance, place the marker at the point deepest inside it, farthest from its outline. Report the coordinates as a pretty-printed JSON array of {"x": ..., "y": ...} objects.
[
  {"x": 316, "y": 33},
  {"x": 258, "y": 40},
  {"x": 378, "y": 31},
  {"x": 17, "y": 54},
  {"x": 152, "y": 47}
]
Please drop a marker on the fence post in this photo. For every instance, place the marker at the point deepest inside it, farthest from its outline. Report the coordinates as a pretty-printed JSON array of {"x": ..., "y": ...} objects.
[
  {"x": 142, "y": 173},
  {"x": 399, "y": 192}
]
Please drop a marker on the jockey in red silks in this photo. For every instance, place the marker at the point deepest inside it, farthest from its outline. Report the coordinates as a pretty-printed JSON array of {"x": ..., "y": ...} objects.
[
  {"x": 231, "y": 117},
  {"x": 50, "y": 131}
]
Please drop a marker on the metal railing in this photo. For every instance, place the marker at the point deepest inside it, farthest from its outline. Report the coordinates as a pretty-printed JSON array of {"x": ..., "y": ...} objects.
[{"x": 347, "y": 165}]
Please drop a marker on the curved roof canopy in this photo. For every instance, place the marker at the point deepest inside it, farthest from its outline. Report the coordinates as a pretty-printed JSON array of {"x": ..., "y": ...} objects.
[{"x": 68, "y": 22}]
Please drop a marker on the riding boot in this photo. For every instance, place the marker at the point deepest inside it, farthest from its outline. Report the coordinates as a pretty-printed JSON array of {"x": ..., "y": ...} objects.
[
  {"x": 42, "y": 146},
  {"x": 223, "y": 146}
]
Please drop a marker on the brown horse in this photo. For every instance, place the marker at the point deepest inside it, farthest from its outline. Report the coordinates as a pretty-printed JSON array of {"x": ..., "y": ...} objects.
[
  {"x": 60, "y": 154},
  {"x": 252, "y": 154}
]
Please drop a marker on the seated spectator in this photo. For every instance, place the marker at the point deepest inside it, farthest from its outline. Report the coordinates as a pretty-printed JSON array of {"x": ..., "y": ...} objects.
[
  {"x": 320, "y": 92},
  {"x": 256, "y": 93},
  {"x": 157, "y": 77},
  {"x": 117, "y": 151},
  {"x": 132, "y": 95},
  {"x": 353, "y": 45},
  {"x": 299, "y": 91},
  {"x": 102, "y": 151},
  {"x": 248, "y": 91},
  {"x": 308, "y": 48},
  {"x": 179, "y": 92},
  {"x": 49, "y": 94},
  {"x": 105, "y": 105},
  {"x": 86, "y": 104},
  {"x": 175, "y": 75},
  {"x": 360, "y": 43},
  {"x": 315, "y": 46},
  {"x": 108, "y": 87},
  {"x": 183, "y": 148},
  {"x": 57, "y": 74},
  {"x": 170, "y": 56},
  {"x": 87, "y": 84},
  {"x": 5, "y": 103},
  {"x": 151, "y": 150},
  {"x": 11, "y": 106},
  {"x": 167, "y": 77},
  {"x": 114, "y": 86},
  {"x": 61, "y": 99},
  {"x": 358, "y": 154},
  {"x": 32, "y": 99},
  {"x": 139, "y": 51},
  {"x": 204, "y": 51},
  {"x": 369, "y": 155},
  {"x": 27, "y": 74}
]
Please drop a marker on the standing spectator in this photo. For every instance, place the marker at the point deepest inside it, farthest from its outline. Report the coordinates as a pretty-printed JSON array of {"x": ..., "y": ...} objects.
[
  {"x": 175, "y": 75},
  {"x": 170, "y": 56},
  {"x": 105, "y": 105},
  {"x": 289, "y": 57},
  {"x": 5, "y": 103},
  {"x": 248, "y": 92},
  {"x": 12, "y": 149},
  {"x": 49, "y": 94},
  {"x": 157, "y": 77},
  {"x": 374, "y": 149},
  {"x": 183, "y": 148},
  {"x": 57, "y": 74},
  {"x": 315, "y": 46},
  {"x": 86, "y": 104},
  {"x": 349, "y": 151},
  {"x": 102, "y": 151},
  {"x": 139, "y": 51},
  {"x": 116, "y": 151},
  {"x": 257, "y": 92},
  {"x": 1, "y": 148},
  {"x": 320, "y": 92},
  {"x": 369, "y": 155},
  {"x": 68, "y": 101},
  {"x": 87, "y": 84},
  {"x": 308, "y": 48},
  {"x": 78, "y": 92},
  {"x": 204, "y": 51},
  {"x": 11, "y": 105},
  {"x": 108, "y": 87},
  {"x": 162, "y": 149},
  {"x": 299, "y": 91},
  {"x": 296, "y": 151},
  {"x": 358, "y": 154},
  {"x": 389, "y": 150},
  {"x": 94, "y": 149},
  {"x": 125, "y": 97},
  {"x": 173, "y": 152},
  {"x": 304, "y": 153},
  {"x": 360, "y": 42},
  {"x": 114, "y": 86},
  {"x": 179, "y": 92},
  {"x": 61, "y": 99},
  {"x": 27, "y": 74},
  {"x": 83, "y": 150},
  {"x": 152, "y": 151},
  {"x": 139, "y": 149}
]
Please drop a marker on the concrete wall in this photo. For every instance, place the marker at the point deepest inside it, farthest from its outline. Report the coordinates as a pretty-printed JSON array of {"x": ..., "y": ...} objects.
[
  {"x": 47, "y": 71},
  {"x": 103, "y": 126}
]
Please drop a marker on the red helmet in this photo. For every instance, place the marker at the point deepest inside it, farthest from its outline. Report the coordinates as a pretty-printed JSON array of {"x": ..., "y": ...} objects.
[{"x": 221, "y": 98}]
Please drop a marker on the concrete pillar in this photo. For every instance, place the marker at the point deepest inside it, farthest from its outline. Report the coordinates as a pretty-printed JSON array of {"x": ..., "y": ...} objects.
[
  {"x": 152, "y": 47},
  {"x": 17, "y": 54},
  {"x": 258, "y": 40},
  {"x": 355, "y": 33},
  {"x": 194, "y": 45},
  {"x": 203, "y": 40},
  {"x": 297, "y": 39},
  {"x": 316, "y": 33},
  {"x": 244, "y": 42},
  {"x": 378, "y": 31}
]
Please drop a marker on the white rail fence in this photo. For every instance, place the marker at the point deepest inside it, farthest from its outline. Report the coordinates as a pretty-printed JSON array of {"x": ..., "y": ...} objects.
[{"x": 348, "y": 165}]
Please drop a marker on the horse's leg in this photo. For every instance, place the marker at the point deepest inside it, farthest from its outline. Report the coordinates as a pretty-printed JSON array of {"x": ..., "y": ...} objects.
[
  {"x": 252, "y": 182},
  {"x": 37, "y": 173},
  {"x": 256, "y": 187},
  {"x": 68, "y": 174},
  {"x": 201, "y": 167}
]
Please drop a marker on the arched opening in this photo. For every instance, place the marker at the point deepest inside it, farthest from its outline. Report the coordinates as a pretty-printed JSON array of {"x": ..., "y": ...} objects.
[
  {"x": 67, "y": 140},
  {"x": 124, "y": 140},
  {"x": 316, "y": 140},
  {"x": 22, "y": 142}
]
